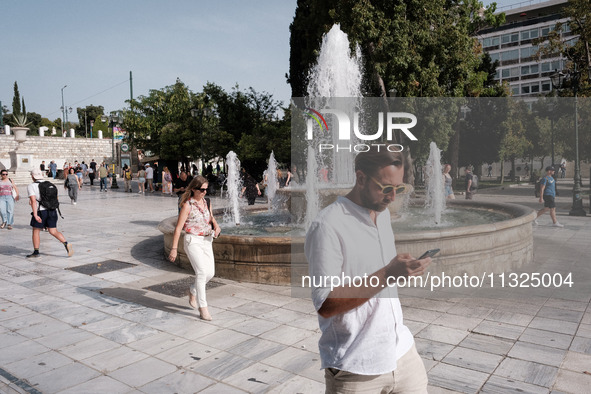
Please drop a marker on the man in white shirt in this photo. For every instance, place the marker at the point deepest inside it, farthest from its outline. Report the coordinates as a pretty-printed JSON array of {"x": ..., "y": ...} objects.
[
  {"x": 150, "y": 177},
  {"x": 43, "y": 217},
  {"x": 364, "y": 346}
]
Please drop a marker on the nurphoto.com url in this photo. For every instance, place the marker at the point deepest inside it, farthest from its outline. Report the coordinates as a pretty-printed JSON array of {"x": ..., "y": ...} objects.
[{"x": 442, "y": 281}]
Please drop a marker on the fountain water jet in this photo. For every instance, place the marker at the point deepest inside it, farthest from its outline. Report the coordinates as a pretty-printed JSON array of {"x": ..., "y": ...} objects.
[
  {"x": 435, "y": 201},
  {"x": 272, "y": 185},
  {"x": 234, "y": 185}
]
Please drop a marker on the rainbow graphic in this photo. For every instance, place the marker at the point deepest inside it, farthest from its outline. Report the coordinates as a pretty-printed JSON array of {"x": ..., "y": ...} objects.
[{"x": 317, "y": 117}]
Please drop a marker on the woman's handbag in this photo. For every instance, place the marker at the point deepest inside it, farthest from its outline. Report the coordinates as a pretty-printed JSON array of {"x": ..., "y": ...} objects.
[{"x": 13, "y": 190}]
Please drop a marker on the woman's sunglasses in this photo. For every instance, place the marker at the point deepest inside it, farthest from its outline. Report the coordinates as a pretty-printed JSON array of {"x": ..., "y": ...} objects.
[
  {"x": 387, "y": 189},
  {"x": 4, "y": 173},
  {"x": 201, "y": 189}
]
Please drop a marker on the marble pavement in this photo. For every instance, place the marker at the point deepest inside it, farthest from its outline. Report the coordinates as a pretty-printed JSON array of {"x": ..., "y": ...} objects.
[{"x": 63, "y": 331}]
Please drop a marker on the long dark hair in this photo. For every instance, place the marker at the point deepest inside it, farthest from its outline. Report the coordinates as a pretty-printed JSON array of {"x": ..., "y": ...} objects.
[{"x": 196, "y": 183}]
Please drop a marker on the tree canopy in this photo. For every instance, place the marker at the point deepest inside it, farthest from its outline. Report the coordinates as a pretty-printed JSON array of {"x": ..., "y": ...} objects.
[{"x": 246, "y": 122}]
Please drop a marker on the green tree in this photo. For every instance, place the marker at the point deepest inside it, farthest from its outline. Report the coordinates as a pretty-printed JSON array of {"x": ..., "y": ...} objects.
[
  {"x": 152, "y": 121},
  {"x": 86, "y": 115},
  {"x": 16, "y": 100},
  {"x": 514, "y": 143}
]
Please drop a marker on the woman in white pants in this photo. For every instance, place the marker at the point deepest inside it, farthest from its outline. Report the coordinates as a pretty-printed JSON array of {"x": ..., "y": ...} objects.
[{"x": 196, "y": 219}]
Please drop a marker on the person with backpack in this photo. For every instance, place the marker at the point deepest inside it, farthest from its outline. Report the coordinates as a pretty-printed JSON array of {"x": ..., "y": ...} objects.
[
  {"x": 43, "y": 197},
  {"x": 471, "y": 183},
  {"x": 547, "y": 196},
  {"x": 127, "y": 175}
]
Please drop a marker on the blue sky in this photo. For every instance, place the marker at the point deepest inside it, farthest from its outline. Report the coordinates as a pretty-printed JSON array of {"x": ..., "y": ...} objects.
[{"x": 92, "y": 45}]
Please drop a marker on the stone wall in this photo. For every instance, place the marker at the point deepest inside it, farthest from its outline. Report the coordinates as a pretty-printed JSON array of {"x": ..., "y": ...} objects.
[{"x": 58, "y": 149}]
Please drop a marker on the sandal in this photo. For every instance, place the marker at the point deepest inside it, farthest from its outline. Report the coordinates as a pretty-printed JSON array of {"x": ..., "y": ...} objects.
[
  {"x": 9, "y": 227},
  {"x": 204, "y": 314},
  {"x": 192, "y": 301},
  {"x": 3, "y": 225}
]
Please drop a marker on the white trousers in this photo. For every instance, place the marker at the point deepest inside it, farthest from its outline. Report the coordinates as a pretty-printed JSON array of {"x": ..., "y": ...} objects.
[{"x": 200, "y": 253}]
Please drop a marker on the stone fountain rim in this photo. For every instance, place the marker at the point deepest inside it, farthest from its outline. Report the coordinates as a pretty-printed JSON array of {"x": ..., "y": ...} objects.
[{"x": 521, "y": 215}]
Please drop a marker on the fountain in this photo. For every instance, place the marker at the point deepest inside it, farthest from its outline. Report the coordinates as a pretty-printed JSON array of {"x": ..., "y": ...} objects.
[
  {"x": 272, "y": 184},
  {"x": 268, "y": 248},
  {"x": 234, "y": 185},
  {"x": 435, "y": 201}
]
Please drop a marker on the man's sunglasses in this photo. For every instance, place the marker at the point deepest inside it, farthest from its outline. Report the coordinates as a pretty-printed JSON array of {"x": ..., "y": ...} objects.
[
  {"x": 201, "y": 189},
  {"x": 387, "y": 189}
]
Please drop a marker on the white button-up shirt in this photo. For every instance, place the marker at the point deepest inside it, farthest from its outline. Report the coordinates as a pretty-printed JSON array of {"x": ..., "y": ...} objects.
[{"x": 343, "y": 240}]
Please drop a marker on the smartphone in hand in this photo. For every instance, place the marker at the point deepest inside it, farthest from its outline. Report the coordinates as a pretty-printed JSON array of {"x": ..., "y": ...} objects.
[{"x": 429, "y": 253}]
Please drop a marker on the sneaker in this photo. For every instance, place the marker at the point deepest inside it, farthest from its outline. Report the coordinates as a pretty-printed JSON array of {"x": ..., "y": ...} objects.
[
  {"x": 70, "y": 249},
  {"x": 557, "y": 225},
  {"x": 34, "y": 254},
  {"x": 74, "y": 203},
  {"x": 536, "y": 222}
]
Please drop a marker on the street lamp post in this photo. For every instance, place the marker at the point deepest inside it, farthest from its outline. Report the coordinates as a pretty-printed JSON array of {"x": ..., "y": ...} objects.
[
  {"x": 63, "y": 109},
  {"x": 113, "y": 120},
  {"x": 558, "y": 79}
]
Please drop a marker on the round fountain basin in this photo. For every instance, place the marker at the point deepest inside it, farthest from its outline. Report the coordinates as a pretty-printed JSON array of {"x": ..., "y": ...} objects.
[{"x": 266, "y": 255}]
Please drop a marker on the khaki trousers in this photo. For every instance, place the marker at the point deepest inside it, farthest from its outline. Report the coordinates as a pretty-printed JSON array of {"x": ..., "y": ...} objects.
[{"x": 409, "y": 377}]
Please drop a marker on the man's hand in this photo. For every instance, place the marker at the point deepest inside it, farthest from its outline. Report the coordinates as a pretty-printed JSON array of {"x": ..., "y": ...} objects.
[
  {"x": 37, "y": 218},
  {"x": 541, "y": 200},
  {"x": 406, "y": 265}
]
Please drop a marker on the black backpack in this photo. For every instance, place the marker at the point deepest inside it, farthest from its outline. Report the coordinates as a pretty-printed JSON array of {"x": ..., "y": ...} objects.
[{"x": 49, "y": 196}]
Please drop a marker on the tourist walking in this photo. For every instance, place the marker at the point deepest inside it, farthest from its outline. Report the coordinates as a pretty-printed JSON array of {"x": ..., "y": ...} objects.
[
  {"x": 548, "y": 196},
  {"x": 447, "y": 182},
  {"x": 80, "y": 174},
  {"x": 471, "y": 183},
  {"x": 8, "y": 196},
  {"x": 150, "y": 177},
  {"x": 250, "y": 188},
  {"x": 92, "y": 171},
  {"x": 562, "y": 170},
  {"x": 73, "y": 183},
  {"x": 489, "y": 174},
  {"x": 141, "y": 178},
  {"x": 196, "y": 219},
  {"x": 166, "y": 181},
  {"x": 127, "y": 175},
  {"x": 53, "y": 169},
  {"x": 364, "y": 344},
  {"x": 44, "y": 205},
  {"x": 103, "y": 174}
]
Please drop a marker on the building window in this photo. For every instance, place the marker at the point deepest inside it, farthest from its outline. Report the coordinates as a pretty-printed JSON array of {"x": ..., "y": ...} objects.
[
  {"x": 509, "y": 38},
  {"x": 524, "y": 89},
  {"x": 491, "y": 41},
  {"x": 529, "y": 34},
  {"x": 515, "y": 90},
  {"x": 510, "y": 72},
  {"x": 510, "y": 55},
  {"x": 546, "y": 86},
  {"x": 546, "y": 30},
  {"x": 529, "y": 52}
]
